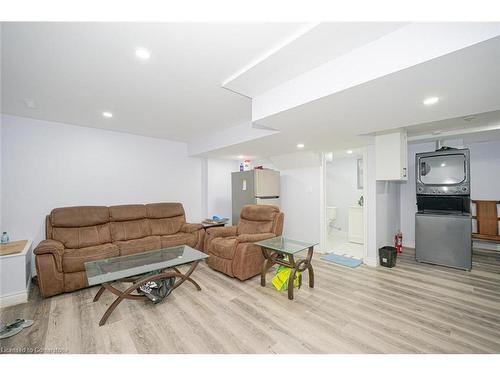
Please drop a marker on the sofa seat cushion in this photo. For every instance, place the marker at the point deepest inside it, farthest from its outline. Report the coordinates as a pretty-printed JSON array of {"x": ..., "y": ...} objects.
[
  {"x": 73, "y": 260},
  {"x": 224, "y": 247},
  {"x": 139, "y": 245},
  {"x": 178, "y": 239}
]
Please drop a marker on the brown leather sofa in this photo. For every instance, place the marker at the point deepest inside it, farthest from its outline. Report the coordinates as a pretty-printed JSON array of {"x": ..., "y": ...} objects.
[
  {"x": 76, "y": 235},
  {"x": 232, "y": 249}
]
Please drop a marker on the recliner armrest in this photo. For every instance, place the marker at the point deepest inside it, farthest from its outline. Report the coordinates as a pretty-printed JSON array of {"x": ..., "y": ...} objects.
[
  {"x": 53, "y": 247},
  {"x": 190, "y": 228},
  {"x": 222, "y": 231},
  {"x": 254, "y": 237}
]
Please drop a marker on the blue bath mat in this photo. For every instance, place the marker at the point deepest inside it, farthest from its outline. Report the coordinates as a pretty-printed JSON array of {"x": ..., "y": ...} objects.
[{"x": 342, "y": 260}]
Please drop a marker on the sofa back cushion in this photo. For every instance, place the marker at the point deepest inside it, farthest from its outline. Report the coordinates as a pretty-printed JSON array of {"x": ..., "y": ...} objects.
[
  {"x": 165, "y": 218},
  {"x": 78, "y": 227},
  {"x": 128, "y": 222},
  {"x": 258, "y": 219},
  {"x": 81, "y": 216}
]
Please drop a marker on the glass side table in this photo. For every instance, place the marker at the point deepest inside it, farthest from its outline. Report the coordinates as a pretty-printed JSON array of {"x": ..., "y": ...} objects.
[{"x": 281, "y": 250}]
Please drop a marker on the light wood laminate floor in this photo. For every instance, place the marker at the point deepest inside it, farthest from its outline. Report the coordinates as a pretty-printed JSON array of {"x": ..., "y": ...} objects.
[{"x": 412, "y": 308}]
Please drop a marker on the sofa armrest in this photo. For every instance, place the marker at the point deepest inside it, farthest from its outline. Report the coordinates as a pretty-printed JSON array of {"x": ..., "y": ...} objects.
[
  {"x": 222, "y": 231},
  {"x": 53, "y": 247},
  {"x": 190, "y": 228},
  {"x": 254, "y": 237}
]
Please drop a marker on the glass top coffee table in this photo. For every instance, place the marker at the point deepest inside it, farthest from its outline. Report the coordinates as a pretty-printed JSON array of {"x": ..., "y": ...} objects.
[
  {"x": 139, "y": 269},
  {"x": 281, "y": 250}
]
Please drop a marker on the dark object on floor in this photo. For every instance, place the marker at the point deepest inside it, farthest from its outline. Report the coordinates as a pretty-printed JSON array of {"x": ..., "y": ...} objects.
[
  {"x": 14, "y": 328},
  {"x": 157, "y": 290},
  {"x": 387, "y": 255}
]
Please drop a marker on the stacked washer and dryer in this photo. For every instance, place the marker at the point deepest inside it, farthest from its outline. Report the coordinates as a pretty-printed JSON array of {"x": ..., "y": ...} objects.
[{"x": 443, "y": 222}]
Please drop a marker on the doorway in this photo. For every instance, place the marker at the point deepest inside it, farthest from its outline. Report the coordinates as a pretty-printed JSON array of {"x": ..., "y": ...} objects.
[{"x": 343, "y": 203}]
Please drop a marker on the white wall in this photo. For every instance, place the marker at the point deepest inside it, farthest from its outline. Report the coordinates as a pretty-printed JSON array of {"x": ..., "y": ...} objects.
[
  {"x": 342, "y": 187},
  {"x": 370, "y": 210},
  {"x": 408, "y": 194},
  {"x": 300, "y": 201},
  {"x": 1, "y": 227},
  {"x": 388, "y": 212},
  {"x": 300, "y": 193},
  {"x": 219, "y": 187},
  {"x": 47, "y": 165},
  {"x": 485, "y": 170},
  {"x": 1, "y": 197}
]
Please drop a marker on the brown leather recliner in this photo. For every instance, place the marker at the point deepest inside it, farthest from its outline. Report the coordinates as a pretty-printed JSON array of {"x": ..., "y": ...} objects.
[
  {"x": 232, "y": 249},
  {"x": 76, "y": 235}
]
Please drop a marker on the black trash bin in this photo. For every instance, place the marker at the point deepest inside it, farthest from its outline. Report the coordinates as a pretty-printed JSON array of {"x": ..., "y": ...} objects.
[{"x": 387, "y": 255}]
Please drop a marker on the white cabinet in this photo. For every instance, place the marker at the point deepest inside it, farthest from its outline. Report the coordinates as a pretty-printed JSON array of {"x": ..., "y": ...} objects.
[
  {"x": 356, "y": 228},
  {"x": 15, "y": 276},
  {"x": 391, "y": 156}
]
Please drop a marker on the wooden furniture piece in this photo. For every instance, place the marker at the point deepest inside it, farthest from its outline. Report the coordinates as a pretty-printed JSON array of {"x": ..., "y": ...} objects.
[
  {"x": 12, "y": 247},
  {"x": 281, "y": 250},
  {"x": 15, "y": 272},
  {"x": 213, "y": 225},
  {"x": 487, "y": 221},
  {"x": 139, "y": 269}
]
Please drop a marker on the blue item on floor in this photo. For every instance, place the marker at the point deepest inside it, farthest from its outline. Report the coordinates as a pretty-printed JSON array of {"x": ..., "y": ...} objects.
[{"x": 342, "y": 260}]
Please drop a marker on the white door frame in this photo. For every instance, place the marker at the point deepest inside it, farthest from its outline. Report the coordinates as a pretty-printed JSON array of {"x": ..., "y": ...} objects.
[{"x": 322, "y": 209}]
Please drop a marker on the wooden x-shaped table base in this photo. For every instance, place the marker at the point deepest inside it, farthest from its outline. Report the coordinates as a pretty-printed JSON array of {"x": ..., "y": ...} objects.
[
  {"x": 273, "y": 257},
  {"x": 137, "y": 282}
]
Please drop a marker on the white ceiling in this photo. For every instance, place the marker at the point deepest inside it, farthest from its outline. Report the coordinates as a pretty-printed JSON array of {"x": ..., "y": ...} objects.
[
  {"x": 320, "y": 44},
  {"x": 479, "y": 120},
  {"x": 467, "y": 81},
  {"x": 75, "y": 71}
]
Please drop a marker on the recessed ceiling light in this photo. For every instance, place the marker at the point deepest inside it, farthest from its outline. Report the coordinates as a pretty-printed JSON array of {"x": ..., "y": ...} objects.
[
  {"x": 349, "y": 151},
  {"x": 107, "y": 114},
  {"x": 300, "y": 145},
  {"x": 143, "y": 53},
  {"x": 443, "y": 164},
  {"x": 241, "y": 156},
  {"x": 431, "y": 100}
]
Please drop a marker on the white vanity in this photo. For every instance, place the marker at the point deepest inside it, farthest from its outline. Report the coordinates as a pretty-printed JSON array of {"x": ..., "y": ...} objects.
[{"x": 356, "y": 228}]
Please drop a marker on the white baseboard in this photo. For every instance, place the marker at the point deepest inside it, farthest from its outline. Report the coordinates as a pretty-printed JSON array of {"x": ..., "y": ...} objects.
[
  {"x": 372, "y": 262},
  {"x": 14, "y": 299},
  {"x": 409, "y": 244}
]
